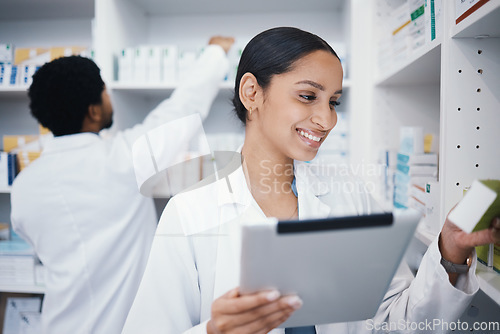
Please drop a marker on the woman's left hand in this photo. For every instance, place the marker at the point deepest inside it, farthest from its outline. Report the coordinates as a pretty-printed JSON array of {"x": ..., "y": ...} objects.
[{"x": 456, "y": 245}]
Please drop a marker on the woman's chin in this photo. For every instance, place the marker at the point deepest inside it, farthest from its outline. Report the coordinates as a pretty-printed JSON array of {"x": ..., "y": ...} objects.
[{"x": 305, "y": 156}]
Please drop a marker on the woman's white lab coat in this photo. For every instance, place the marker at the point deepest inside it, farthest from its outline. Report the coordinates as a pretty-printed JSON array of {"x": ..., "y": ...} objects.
[
  {"x": 80, "y": 207},
  {"x": 195, "y": 259}
]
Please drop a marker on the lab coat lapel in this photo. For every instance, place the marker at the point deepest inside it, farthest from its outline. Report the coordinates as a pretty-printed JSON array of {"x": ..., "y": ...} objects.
[
  {"x": 234, "y": 204},
  {"x": 227, "y": 273}
]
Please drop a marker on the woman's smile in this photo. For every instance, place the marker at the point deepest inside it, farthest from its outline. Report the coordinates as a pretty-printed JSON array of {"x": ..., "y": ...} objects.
[{"x": 312, "y": 138}]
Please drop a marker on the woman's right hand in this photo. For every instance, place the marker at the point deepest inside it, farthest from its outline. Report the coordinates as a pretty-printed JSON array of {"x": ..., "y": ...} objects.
[{"x": 254, "y": 313}]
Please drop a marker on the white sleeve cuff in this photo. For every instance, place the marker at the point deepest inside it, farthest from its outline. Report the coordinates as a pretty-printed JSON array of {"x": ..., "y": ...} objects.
[{"x": 466, "y": 283}]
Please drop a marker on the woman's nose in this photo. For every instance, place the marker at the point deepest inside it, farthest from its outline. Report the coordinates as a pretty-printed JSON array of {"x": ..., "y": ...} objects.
[{"x": 325, "y": 117}]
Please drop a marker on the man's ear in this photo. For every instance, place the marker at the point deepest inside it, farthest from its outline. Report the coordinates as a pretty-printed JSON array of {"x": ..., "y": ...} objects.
[
  {"x": 94, "y": 113},
  {"x": 250, "y": 91}
]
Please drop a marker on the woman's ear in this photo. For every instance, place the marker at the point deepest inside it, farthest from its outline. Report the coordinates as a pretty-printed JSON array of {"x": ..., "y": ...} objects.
[{"x": 250, "y": 91}]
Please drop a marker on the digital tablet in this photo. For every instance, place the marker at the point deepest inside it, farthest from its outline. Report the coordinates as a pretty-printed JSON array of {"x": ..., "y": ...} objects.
[{"x": 341, "y": 268}]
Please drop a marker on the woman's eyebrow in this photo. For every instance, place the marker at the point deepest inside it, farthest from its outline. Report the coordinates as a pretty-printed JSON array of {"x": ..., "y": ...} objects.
[
  {"x": 312, "y": 83},
  {"x": 316, "y": 85}
]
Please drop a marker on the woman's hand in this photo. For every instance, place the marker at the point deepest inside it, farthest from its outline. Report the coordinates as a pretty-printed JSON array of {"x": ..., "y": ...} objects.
[
  {"x": 255, "y": 313},
  {"x": 456, "y": 245}
]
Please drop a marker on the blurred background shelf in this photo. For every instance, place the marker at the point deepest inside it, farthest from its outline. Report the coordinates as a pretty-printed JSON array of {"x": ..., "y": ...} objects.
[{"x": 422, "y": 67}]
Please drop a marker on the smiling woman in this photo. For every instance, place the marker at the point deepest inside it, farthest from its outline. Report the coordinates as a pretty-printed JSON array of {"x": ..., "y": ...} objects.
[
  {"x": 288, "y": 84},
  {"x": 292, "y": 96}
]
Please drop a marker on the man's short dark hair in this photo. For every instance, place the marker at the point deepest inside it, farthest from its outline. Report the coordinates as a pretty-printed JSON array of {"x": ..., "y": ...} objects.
[{"x": 61, "y": 92}]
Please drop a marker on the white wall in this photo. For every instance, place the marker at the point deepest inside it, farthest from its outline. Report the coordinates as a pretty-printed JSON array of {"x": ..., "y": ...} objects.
[{"x": 197, "y": 29}]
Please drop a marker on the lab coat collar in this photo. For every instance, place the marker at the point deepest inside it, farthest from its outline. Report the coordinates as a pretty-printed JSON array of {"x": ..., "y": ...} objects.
[
  {"x": 232, "y": 187},
  {"x": 70, "y": 142}
]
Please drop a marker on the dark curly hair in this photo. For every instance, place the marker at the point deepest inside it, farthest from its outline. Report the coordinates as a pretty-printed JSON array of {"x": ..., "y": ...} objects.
[
  {"x": 62, "y": 91},
  {"x": 272, "y": 52}
]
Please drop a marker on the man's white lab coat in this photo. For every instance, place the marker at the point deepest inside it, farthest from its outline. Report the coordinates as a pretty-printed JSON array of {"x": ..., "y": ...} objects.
[
  {"x": 193, "y": 261},
  {"x": 80, "y": 207}
]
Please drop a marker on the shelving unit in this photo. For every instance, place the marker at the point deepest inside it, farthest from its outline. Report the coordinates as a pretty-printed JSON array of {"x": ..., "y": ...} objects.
[
  {"x": 450, "y": 88},
  {"x": 155, "y": 22},
  {"x": 469, "y": 118},
  {"x": 29, "y": 23}
]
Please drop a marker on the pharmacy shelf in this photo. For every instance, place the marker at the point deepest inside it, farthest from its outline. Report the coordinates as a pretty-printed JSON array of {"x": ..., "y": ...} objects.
[
  {"x": 482, "y": 23},
  {"x": 166, "y": 86},
  {"x": 489, "y": 281},
  {"x": 22, "y": 288},
  {"x": 156, "y": 91},
  {"x": 422, "y": 67}
]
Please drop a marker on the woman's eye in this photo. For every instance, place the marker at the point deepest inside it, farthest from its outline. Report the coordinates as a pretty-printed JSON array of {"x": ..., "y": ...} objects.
[
  {"x": 334, "y": 103},
  {"x": 308, "y": 97}
]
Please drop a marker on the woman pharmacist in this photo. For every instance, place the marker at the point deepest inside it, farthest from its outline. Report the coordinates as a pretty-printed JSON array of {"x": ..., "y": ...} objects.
[{"x": 288, "y": 84}]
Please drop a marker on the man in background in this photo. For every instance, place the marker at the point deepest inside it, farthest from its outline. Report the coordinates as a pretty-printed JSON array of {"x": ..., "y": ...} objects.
[{"x": 79, "y": 204}]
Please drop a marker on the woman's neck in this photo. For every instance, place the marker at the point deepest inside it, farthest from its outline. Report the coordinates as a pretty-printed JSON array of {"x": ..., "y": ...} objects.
[
  {"x": 269, "y": 177},
  {"x": 263, "y": 170}
]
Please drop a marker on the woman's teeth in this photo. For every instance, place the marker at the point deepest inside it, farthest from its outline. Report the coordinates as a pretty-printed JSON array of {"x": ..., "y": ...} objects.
[{"x": 309, "y": 136}]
